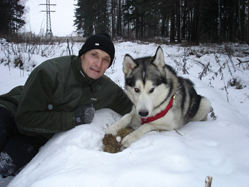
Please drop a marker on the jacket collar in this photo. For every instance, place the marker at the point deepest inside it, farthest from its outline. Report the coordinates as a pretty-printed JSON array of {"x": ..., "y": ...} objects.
[{"x": 80, "y": 75}]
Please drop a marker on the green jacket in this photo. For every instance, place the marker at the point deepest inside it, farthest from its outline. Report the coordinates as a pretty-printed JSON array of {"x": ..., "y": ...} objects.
[{"x": 45, "y": 104}]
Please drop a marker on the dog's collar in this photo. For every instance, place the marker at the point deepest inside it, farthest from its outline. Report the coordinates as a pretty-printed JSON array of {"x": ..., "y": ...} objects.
[{"x": 160, "y": 114}]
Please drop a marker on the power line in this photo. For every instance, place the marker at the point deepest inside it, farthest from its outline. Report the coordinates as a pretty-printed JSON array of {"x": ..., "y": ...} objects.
[{"x": 48, "y": 18}]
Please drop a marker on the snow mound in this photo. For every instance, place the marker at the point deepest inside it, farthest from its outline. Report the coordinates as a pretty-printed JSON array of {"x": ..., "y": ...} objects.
[{"x": 216, "y": 148}]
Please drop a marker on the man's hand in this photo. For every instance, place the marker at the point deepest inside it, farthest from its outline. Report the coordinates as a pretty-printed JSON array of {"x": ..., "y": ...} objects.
[{"x": 84, "y": 114}]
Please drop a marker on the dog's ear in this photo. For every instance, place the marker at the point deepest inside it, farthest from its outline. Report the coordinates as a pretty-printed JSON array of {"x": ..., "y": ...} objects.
[
  {"x": 128, "y": 64},
  {"x": 159, "y": 57}
]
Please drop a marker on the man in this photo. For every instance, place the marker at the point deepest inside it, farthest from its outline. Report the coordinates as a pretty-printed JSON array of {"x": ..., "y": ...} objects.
[{"x": 59, "y": 94}]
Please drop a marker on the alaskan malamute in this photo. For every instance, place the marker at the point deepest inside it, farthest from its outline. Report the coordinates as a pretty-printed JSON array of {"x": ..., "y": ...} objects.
[{"x": 162, "y": 100}]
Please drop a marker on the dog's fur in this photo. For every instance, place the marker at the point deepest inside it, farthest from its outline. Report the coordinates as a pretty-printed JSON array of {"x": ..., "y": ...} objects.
[{"x": 150, "y": 85}]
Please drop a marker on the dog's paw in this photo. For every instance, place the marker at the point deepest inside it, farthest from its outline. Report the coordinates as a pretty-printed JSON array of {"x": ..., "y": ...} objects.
[
  {"x": 128, "y": 140},
  {"x": 112, "y": 130}
]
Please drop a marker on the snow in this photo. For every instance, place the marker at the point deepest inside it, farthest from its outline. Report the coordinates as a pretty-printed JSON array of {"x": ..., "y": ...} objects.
[{"x": 217, "y": 148}]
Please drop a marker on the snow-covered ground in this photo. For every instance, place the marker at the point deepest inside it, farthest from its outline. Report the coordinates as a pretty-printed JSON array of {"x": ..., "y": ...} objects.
[{"x": 217, "y": 148}]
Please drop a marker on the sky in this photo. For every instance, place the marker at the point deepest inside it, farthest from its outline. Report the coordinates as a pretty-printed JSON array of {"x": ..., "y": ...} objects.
[{"x": 61, "y": 19}]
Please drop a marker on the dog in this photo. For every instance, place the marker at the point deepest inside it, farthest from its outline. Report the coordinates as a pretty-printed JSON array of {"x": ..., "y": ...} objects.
[{"x": 161, "y": 99}]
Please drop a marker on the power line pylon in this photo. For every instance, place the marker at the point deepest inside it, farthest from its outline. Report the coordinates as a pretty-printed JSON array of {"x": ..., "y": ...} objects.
[{"x": 48, "y": 18}]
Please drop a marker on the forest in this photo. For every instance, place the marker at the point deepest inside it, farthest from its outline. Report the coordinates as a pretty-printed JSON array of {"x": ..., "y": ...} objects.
[
  {"x": 174, "y": 21},
  {"x": 191, "y": 21}
]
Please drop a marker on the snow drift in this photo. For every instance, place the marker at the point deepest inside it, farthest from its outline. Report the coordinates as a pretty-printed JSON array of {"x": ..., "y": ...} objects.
[{"x": 217, "y": 148}]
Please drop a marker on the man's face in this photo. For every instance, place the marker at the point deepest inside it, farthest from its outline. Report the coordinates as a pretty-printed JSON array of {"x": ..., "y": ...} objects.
[{"x": 95, "y": 62}]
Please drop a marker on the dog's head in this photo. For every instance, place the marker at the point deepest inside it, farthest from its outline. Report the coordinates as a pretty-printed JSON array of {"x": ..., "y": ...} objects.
[{"x": 146, "y": 83}]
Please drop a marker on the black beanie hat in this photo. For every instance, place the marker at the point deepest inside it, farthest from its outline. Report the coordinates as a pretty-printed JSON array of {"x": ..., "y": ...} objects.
[{"x": 99, "y": 41}]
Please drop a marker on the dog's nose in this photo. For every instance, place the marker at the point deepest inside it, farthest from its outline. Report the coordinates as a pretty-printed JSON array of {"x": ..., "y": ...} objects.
[{"x": 143, "y": 113}]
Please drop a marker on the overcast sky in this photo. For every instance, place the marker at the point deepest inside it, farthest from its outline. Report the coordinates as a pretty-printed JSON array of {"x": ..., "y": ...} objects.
[{"x": 61, "y": 19}]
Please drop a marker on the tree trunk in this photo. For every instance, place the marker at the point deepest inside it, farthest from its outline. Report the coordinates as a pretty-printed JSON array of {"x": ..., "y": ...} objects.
[
  {"x": 195, "y": 29},
  {"x": 247, "y": 23},
  {"x": 239, "y": 21},
  {"x": 178, "y": 20},
  {"x": 219, "y": 23},
  {"x": 119, "y": 19},
  {"x": 113, "y": 18},
  {"x": 172, "y": 24},
  {"x": 163, "y": 26}
]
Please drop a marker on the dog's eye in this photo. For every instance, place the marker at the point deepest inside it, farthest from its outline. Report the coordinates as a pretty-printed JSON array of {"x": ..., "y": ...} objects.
[
  {"x": 136, "y": 90},
  {"x": 151, "y": 90}
]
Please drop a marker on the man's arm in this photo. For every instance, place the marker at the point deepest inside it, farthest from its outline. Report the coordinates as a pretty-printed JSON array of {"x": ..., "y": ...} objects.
[
  {"x": 35, "y": 111},
  {"x": 121, "y": 103}
]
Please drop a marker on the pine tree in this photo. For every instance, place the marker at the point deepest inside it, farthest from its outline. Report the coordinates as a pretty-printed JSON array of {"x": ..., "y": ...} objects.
[
  {"x": 11, "y": 12},
  {"x": 91, "y": 16}
]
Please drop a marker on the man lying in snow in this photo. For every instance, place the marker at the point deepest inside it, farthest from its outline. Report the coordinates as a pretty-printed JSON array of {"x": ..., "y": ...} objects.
[{"x": 59, "y": 94}]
